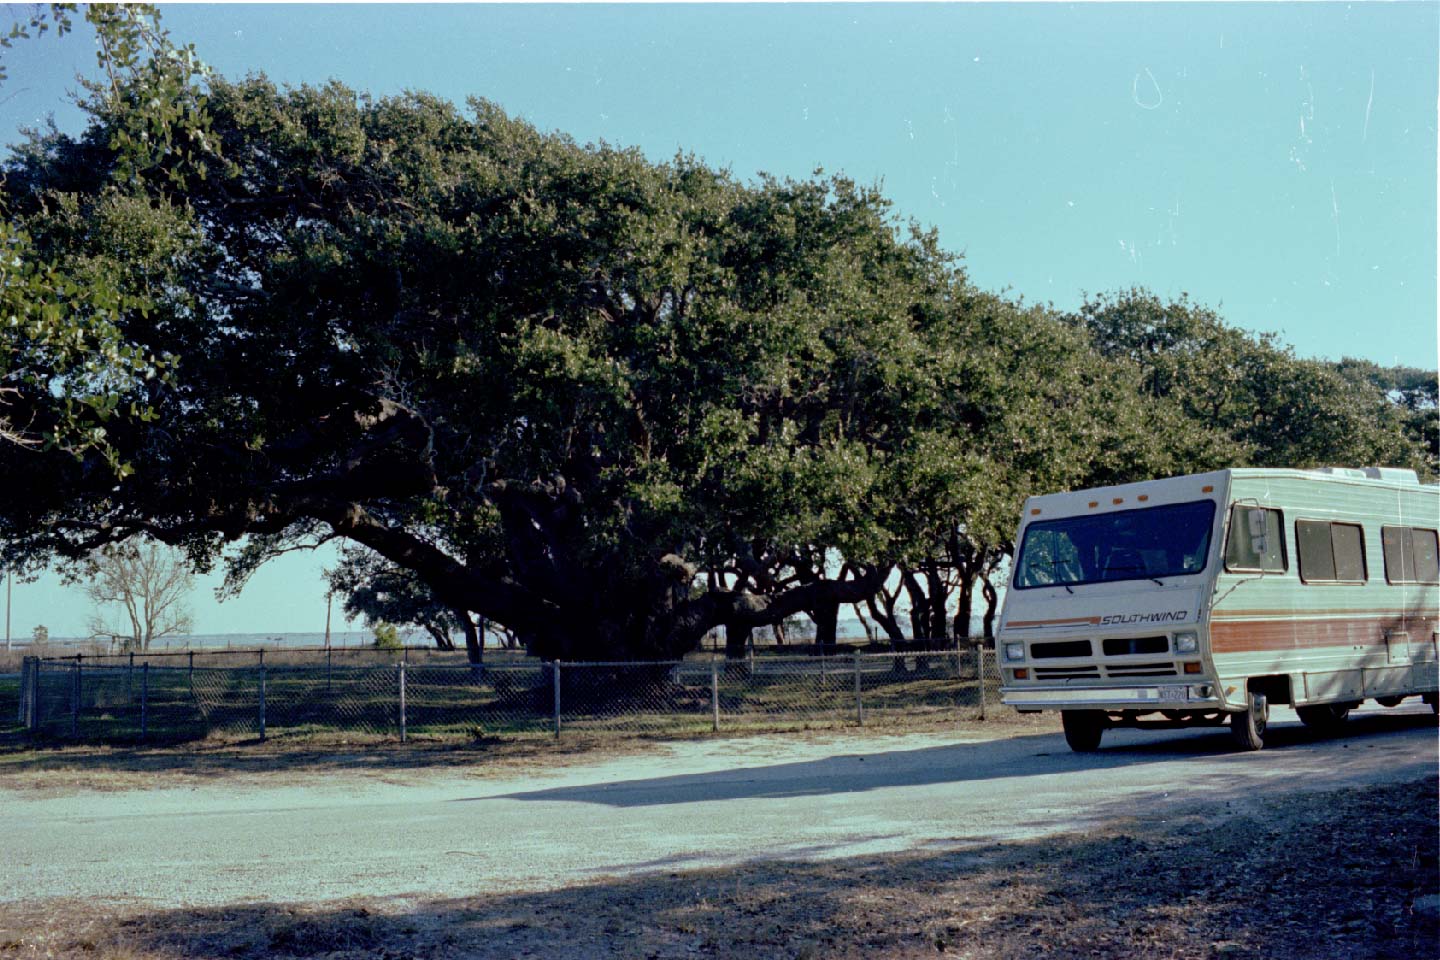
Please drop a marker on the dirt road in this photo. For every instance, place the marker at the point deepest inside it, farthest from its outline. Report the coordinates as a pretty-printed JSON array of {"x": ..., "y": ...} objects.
[{"x": 698, "y": 804}]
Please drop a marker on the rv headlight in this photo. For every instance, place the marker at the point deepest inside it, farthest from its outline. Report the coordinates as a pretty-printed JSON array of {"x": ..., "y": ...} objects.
[
  {"x": 1187, "y": 642},
  {"x": 1014, "y": 651}
]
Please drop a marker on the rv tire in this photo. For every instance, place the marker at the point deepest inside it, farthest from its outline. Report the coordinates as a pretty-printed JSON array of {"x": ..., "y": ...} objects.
[
  {"x": 1324, "y": 716},
  {"x": 1247, "y": 728},
  {"x": 1083, "y": 729}
]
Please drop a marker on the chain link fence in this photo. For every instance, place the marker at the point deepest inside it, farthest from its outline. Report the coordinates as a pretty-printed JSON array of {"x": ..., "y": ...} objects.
[
  {"x": 139, "y": 698},
  {"x": 11, "y": 711}
]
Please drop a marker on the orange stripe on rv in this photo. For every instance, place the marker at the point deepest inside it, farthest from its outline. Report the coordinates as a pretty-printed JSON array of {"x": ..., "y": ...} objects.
[{"x": 1253, "y": 636}]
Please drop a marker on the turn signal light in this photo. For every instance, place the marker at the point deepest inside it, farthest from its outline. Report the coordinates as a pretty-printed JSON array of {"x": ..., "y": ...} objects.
[
  {"x": 1022, "y": 674},
  {"x": 1192, "y": 668}
]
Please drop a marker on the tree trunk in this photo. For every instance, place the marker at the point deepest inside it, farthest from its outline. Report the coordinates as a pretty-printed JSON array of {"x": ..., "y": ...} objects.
[
  {"x": 938, "y": 595},
  {"x": 825, "y": 622},
  {"x": 966, "y": 605},
  {"x": 474, "y": 645},
  {"x": 886, "y": 617},
  {"x": 919, "y": 606},
  {"x": 737, "y": 641},
  {"x": 865, "y": 624},
  {"x": 991, "y": 600},
  {"x": 440, "y": 635}
]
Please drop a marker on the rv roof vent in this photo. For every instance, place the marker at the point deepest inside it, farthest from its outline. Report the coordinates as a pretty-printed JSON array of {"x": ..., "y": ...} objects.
[
  {"x": 1392, "y": 474},
  {"x": 1351, "y": 472}
]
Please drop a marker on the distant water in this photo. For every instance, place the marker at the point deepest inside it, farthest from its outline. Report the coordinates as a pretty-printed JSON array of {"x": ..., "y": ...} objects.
[
  {"x": 847, "y": 628},
  {"x": 242, "y": 641}
]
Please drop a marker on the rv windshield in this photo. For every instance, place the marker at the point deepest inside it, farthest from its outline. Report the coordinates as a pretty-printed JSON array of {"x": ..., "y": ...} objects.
[{"x": 1148, "y": 544}]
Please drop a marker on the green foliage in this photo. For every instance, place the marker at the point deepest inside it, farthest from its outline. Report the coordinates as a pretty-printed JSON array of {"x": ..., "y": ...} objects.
[
  {"x": 68, "y": 370},
  {"x": 387, "y": 636},
  {"x": 1412, "y": 393},
  {"x": 607, "y": 402},
  {"x": 1267, "y": 406}
]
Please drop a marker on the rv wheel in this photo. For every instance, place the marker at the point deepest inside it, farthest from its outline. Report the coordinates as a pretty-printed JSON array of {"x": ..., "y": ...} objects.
[
  {"x": 1083, "y": 729},
  {"x": 1324, "y": 716},
  {"x": 1247, "y": 728}
]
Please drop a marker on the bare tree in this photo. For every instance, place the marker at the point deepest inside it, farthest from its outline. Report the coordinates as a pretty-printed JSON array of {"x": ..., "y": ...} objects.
[{"x": 139, "y": 592}]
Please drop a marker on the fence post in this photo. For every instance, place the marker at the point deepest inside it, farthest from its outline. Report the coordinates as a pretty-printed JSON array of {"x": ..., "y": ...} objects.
[
  {"x": 262, "y": 697},
  {"x": 555, "y": 680},
  {"x": 327, "y": 670},
  {"x": 37, "y": 710},
  {"x": 144, "y": 699},
  {"x": 714, "y": 696},
  {"x": 24, "y": 692},
  {"x": 24, "y": 689},
  {"x": 859, "y": 702},
  {"x": 192, "y": 666},
  {"x": 980, "y": 677},
  {"x": 130, "y": 678},
  {"x": 75, "y": 699},
  {"x": 32, "y": 718},
  {"x": 402, "y": 701}
]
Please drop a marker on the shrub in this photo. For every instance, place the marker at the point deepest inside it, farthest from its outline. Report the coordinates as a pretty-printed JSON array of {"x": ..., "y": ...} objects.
[{"x": 387, "y": 636}]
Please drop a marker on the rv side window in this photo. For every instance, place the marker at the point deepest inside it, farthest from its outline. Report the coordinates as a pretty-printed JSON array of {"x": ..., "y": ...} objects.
[
  {"x": 1410, "y": 555},
  {"x": 1256, "y": 540},
  {"x": 1427, "y": 557},
  {"x": 1333, "y": 552},
  {"x": 1349, "y": 543}
]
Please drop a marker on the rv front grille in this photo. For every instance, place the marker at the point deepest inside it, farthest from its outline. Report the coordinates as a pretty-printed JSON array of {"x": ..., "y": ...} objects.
[
  {"x": 1067, "y": 673},
  {"x": 1130, "y": 646},
  {"x": 1162, "y": 669},
  {"x": 1061, "y": 648}
]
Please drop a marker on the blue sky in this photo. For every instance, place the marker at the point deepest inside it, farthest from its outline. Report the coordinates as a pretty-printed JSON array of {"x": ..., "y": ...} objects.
[{"x": 1275, "y": 161}]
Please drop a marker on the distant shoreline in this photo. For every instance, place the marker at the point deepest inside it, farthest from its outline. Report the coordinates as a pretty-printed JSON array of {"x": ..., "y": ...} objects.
[{"x": 849, "y": 630}]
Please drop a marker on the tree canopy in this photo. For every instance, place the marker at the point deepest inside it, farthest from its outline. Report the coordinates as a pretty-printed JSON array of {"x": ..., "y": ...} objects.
[{"x": 608, "y": 402}]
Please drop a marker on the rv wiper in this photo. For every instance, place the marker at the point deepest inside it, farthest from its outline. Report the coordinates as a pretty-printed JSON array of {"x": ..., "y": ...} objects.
[
  {"x": 1067, "y": 587},
  {"x": 1157, "y": 580}
]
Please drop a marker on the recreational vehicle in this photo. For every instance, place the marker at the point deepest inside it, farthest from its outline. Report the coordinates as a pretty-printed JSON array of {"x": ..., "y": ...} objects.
[{"x": 1206, "y": 599}]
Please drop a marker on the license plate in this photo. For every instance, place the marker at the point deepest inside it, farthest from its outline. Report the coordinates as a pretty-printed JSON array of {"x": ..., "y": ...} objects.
[{"x": 1172, "y": 693}]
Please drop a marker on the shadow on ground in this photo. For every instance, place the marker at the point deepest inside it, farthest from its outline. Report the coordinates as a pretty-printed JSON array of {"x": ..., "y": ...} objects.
[
  {"x": 1343, "y": 869},
  {"x": 26, "y": 762},
  {"x": 1014, "y": 750},
  {"x": 960, "y": 763}
]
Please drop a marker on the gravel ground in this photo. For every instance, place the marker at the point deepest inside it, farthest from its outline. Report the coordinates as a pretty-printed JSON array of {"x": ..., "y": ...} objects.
[
  {"x": 1338, "y": 874},
  {"x": 1160, "y": 845}
]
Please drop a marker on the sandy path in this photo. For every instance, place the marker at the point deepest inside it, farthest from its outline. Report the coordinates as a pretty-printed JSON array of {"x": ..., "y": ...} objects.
[{"x": 696, "y": 804}]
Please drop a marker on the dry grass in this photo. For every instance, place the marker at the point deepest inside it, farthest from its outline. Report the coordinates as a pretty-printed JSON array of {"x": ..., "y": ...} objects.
[
  {"x": 297, "y": 759},
  {"x": 1334, "y": 875}
]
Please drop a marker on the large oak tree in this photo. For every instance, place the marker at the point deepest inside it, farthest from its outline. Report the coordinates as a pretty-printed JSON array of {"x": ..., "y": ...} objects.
[{"x": 606, "y": 402}]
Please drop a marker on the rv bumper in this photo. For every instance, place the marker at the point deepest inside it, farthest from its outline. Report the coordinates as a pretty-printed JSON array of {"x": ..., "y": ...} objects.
[{"x": 1168, "y": 696}]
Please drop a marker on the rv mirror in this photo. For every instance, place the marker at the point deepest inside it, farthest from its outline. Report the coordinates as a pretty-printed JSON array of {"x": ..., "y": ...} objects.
[
  {"x": 1258, "y": 546},
  {"x": 1256, "y": 521}
]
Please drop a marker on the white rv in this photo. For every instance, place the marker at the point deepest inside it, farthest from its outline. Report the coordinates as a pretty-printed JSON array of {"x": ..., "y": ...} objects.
[{"x": 1201, "y": 599}]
